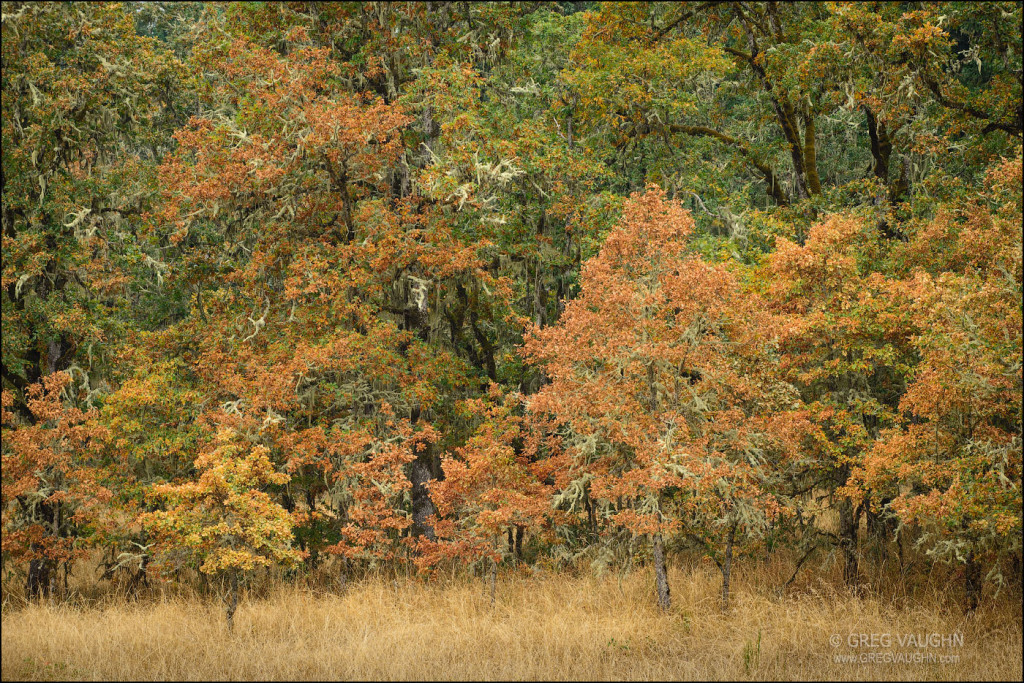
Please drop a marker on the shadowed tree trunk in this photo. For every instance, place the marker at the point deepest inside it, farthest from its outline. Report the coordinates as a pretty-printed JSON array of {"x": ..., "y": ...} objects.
[
  {"x": 899, "y": 190},
  {"x": 849, "y": 521},
  {"x": 515, "y": 542},
  {"x": 591, "y": 518},
  {"x": 39, "y": 583},
  {"x": 881, "y": 146},
  {"x": 811, "y": 155},
  {"x": 661, "y": 573},
  {"x": 972, "y": 582},
  {"x": 881, "y": 526}
]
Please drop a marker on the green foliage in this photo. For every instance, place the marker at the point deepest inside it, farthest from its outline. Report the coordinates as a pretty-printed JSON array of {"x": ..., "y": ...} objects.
[{"x": 327, "y": 231}]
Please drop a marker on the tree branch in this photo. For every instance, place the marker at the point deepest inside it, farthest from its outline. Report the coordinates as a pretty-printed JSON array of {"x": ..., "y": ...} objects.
[
  {"x": 774, "y": 187},
  {"x": 680, "y": 19},
  {"x": 1013, "y": 129}
]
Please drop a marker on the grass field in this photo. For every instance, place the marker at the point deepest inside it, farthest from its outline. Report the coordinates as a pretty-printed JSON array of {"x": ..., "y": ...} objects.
[{"x": 547, "y": 627}]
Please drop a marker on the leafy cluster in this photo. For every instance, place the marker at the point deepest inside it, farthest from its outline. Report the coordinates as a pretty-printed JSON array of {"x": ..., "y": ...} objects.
[{"x": 422, "y": 283}]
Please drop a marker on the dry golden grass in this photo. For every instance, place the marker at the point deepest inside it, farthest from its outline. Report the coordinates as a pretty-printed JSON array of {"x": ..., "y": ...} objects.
[{"x": 550, "y": 627}]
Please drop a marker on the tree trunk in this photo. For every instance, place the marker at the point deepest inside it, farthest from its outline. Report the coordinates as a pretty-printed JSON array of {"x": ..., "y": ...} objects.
[
  {"x": 661, "y": 574},
  {"x": 787, "y": 121},
  {"x": 232, "y": 601},
  {"x": 486, "y": 347},
  {"x": 39, "y": 582},
  {"x": 849, "y": 521},
  {"x": 494, "y": 579},
  {"x": 422, "y": 506},
  {"x": 811, "y": 155},
  {"x": 900, "y": 189},
  {"x": 881, "y": 146},
  {"x": 727, "y": 566},
  {"x": 515, "y": 541},
  {"x": 880, "y": 526},
  {"x": 591, "y": 518},
  {"x": 540, "y": 296},
  {"x": 972, "y": 582}
]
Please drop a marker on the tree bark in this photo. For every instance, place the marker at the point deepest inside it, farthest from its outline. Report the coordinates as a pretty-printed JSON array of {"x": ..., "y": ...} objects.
[
  {"x": 515, "y": 541},
  {"x": 811, "y": 155},
  {"x": 422, "y": 506},
  {"x": 727, "y": 566},
  {"x": 486, "y": 347},
  {"x": 661, "y": 574},
  {"x": 849, "y": 522},
  {"x": 899, "y": 189},
  {"x": 494, "y": 579},
  {"x": 880, "y": 525},
  {"x": 972, "y": 582},
  {"x": 881, "y": 146},
  {"x": 232, "y": 601},
  {"x": 591, "y": 518},
  {"x": 540, "y": 297},
  {"x": 39, "y": 583}
]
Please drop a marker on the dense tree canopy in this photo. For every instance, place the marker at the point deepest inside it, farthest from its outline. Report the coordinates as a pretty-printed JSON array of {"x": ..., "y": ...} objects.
[{"x": 410, "y": 284}]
